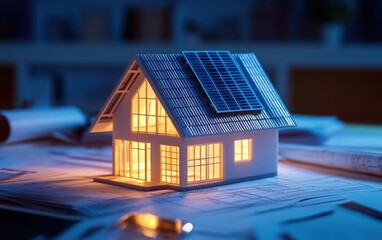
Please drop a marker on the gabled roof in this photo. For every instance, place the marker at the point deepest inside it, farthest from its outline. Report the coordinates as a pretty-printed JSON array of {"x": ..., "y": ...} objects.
[{"x": 189, "y": 107}]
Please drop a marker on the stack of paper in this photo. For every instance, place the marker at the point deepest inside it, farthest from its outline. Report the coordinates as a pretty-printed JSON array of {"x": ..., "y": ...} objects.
[
  {"x": 326, "y": 141},
  {"x": 311, "y": 129}
]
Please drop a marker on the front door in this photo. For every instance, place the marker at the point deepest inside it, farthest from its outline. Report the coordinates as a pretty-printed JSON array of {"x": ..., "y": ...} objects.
[{"x": 140, "y": 161}]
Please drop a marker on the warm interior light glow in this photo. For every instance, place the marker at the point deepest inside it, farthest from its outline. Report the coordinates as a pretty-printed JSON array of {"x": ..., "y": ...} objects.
[
  {"x": 147, "y": 220},
  {"x": 204, "y": 162},
  {"x": 145, "y": 223},
  {"x": 132, "y": 159},
  {"x": 153, "y": 226},
  {"x": 169, "y": 156},
  {"x": 121, "y": 157},
  {"x": 148, "y": 114},
  {"x": 243, "y": 150}
]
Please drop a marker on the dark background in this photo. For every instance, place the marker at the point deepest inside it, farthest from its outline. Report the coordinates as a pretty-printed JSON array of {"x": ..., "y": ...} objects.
[{"x": 73, "y": 52}]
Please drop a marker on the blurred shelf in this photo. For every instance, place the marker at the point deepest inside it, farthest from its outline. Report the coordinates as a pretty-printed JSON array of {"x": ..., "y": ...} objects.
[
  {"x": 285, "y": 55},
  {"x": 280, "y": 59}
]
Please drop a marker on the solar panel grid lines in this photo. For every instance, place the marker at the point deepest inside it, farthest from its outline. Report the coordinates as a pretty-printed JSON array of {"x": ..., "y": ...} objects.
[
  {"x": 278, "y": 113},
  {"x": 222, "y": 81},
  {"x": 257, "y": 77},
  {"x": 231, "y": 88},
  {"x": 276, "y": 109}
]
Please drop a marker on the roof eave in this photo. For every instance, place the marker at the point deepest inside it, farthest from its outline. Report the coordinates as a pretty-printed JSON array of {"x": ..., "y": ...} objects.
[{"x": 100, "y": 125}]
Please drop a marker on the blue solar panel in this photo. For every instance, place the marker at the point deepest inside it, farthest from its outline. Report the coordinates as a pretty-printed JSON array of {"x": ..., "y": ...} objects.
[{"x": 222, "y": 80}]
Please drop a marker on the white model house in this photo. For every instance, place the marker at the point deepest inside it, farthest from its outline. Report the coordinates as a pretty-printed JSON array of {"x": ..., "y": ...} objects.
[{"x": 190, "y": 120}]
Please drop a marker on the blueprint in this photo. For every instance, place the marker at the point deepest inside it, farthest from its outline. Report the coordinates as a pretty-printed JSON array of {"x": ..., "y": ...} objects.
[
  {"x": 58, "y": 179},
  {"x": 369, "y": 161}
]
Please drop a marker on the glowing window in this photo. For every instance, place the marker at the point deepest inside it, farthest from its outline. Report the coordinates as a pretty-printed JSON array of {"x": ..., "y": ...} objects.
[
  {"x": 169, "y": 157},
  {"x": 243, "y": 150},
  {"x": 204, "y": 162},
  {"x": 148, "y": 114},
  {"x": 132, "y": 159}
]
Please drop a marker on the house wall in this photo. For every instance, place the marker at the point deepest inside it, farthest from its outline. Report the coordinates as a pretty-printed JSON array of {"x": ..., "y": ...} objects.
[
  {"x": 122, "y": 130},
  {"x": 264, "y": 153},
  {"x": 264, "y": 146}
]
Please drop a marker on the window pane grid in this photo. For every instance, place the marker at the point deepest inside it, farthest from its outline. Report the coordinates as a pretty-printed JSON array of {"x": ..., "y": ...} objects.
[
  {"x": 243, "y": 150},
  {"x": 148, "y": 114},
  {"x": 169, "y": 164},
  {"x": 204, "y": 162},
  {"x": 133, "y": 159}
]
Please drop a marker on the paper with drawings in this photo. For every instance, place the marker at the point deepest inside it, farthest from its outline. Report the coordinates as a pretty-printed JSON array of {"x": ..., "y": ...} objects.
[
  {"x": 229, "y": 211},
  {"x": 355, "y": 160},
  {"x": 60, "y": 180},
  {"x": 322, "y": 222}
]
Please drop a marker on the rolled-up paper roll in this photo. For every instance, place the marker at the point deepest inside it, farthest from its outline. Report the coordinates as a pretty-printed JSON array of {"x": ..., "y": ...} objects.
[{"x": 27, "y": 124}]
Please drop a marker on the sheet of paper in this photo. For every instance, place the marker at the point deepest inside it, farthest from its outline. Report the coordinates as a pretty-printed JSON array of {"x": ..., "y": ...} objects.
[
  {"x": 369, "y": 162},
  {"x": 313, "y": 224},
  {"x": 330, "y": 221},
  {"x": 361, "y": 137},
  {"x": 342, "y": 224},
  {"x": 372, "y": 200}
]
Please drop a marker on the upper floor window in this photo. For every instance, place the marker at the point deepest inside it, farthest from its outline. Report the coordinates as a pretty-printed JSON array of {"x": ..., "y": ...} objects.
[{"x": 148, "y": 114}]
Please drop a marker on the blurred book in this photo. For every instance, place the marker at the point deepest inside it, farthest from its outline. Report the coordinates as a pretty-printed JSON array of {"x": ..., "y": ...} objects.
[
  {"x": 311, "y": 129},
  {"x": 84, "y": 137},
  {"x": 97, "y": 138},
  {"x": 329, "y": 142},
  {"x": 95, "y": 24},
  {"x": 147, "y": 24}
]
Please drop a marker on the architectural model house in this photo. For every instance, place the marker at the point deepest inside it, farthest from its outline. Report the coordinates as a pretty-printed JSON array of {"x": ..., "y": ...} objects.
[{"x": 190, "y": 120}]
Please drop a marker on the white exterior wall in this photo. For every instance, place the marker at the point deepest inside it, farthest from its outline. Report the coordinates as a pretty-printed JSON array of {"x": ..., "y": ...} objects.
[
  {"x": 264, "y": 153},
  {"x": 264, "y": 146}
]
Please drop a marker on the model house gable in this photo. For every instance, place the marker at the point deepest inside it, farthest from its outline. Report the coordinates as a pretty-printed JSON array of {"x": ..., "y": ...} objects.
[{"x": 148, "y": 115}]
